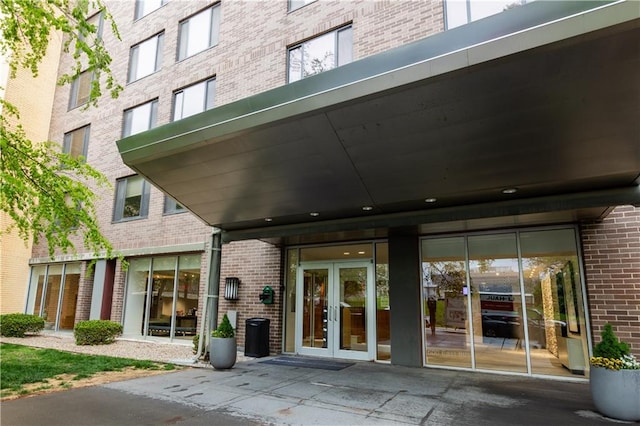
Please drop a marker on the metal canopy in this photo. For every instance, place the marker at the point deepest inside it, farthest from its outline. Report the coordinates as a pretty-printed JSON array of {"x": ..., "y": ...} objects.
[{"x": 544, "y": 98}]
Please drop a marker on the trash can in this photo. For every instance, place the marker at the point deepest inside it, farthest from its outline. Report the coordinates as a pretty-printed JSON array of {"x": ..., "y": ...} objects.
[{"x": 256, "y": 341}]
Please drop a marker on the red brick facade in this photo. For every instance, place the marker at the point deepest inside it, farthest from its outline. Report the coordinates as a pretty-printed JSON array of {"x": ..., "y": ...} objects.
[{"x": 612, "y": 267}]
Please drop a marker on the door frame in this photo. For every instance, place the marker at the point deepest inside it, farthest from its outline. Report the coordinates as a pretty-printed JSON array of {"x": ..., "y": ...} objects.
[{"x": 333, "y": 299}]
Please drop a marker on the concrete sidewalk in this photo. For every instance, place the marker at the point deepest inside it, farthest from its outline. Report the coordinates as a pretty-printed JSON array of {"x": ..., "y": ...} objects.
[{"x": 371, "y": 394}]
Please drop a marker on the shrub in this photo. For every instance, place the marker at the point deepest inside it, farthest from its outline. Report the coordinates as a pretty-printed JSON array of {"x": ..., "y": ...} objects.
[
  {"x": 610, "y": 347},
  {"x": 16, "y": 325},
  {"x": 96, "y": 332},
  {"x": 224, "y": 329}
]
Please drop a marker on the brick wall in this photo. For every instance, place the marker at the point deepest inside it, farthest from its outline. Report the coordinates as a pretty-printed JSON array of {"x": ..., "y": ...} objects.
[
  {"x": 85, "y": 291},
  {"x": 257, "y": 264},
  {"x": 250, "y": 58},
  {"x": 612, "y": 268}
]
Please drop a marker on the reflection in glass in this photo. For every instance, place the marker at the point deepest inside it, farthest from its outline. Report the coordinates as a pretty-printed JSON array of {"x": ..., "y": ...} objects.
[
  {"x": 445, "y": 302},
  {"x": 555, "y": 317},
  {"x": 136, "y": 294},
  {"x": 290, "y": 304},
  {"x": 52, "y": 294},
  {"x": 314, "y": 318},
  {"x": 353, "y": 308},
  {"x": 496, "y": 303},
  {"x": 69, "y": 296},
  {"x": 36, "y": 286},
  {"x": 383, "y": 310}
]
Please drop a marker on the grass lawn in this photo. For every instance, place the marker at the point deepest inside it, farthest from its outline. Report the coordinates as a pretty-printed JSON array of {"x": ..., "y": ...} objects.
[{"x": 23, "y": 366}]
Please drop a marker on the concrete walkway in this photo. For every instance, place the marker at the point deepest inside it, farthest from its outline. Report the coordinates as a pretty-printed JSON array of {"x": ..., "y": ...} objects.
[{"x": 371, "y": 394}]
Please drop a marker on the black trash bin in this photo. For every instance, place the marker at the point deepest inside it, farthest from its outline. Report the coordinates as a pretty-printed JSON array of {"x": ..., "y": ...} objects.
[{"x": 256, "y": 341}]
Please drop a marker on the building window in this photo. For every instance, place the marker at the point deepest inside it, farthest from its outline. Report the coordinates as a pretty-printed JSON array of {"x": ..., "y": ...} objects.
[
  {"x": 145, "y": 58},
  {"x": 81, "y": 90},
  {"x": 53, "y": 294},
  {"x": 460, "y": 12},
  {"x": 199, "y": 32},
  {"x": 145, "y": 7},
  {"x": 297, "y": 4},
  {"x": 76, "y": 142},
  {"x": 140, "y": 118},
  {"x": 171, "y": 206},
  {"x": 194, "y": 99},
  {"x": 162, "y": 297},
  {"x": 96, "y": 21},
  {"x": 132, "y": 199},
  {"x": 320, "y": 54}
]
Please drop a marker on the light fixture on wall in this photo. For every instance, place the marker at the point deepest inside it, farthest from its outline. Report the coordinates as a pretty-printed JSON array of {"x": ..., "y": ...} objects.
[{"x": 231, "y": 285}]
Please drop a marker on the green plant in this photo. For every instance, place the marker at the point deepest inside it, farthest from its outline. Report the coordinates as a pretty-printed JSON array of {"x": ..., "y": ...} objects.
[
  {"x": 16, "y": 325},
  {"x": 96, "y": 332},
  {"x": 612, "y": 353},
  {"x": 224, "y": 328}
]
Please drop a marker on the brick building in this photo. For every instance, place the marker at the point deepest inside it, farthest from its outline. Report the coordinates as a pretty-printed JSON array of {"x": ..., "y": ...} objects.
[{"x": 421, "y": 183}]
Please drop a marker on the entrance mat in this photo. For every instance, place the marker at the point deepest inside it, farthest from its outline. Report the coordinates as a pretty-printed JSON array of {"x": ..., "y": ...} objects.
[{"x": 321, "y": 364}]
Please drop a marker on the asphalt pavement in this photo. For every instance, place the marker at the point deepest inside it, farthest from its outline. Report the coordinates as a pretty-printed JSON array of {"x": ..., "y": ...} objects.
[{"x": 365, "y": 393}]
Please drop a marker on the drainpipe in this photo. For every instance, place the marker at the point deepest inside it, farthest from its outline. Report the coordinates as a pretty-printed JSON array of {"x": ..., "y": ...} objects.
[{"x": 213, "y": 289}]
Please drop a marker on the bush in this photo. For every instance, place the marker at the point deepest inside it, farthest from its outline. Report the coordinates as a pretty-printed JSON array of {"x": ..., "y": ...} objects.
[
  {"x": 610, "y": 346},
  {"x": 224, "y": 329},
  {"x": 96, "y": 332},
  {"x": 16, "y": 325}
]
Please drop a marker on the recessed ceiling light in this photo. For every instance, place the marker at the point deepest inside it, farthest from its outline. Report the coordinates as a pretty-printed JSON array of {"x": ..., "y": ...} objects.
[
  {"x": 267, "y": 219},
  {"x": 360, "y": 252},
  {"x": 509, "y": 190},
  {"x": 346, "y": 253},
  {"x": 367, "y": 208},
  {"x": 314, "y": 214},
  {"x": 430, "y": 200}
]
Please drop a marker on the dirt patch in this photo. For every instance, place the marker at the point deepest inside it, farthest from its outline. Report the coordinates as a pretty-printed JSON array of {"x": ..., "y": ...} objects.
[{"x": 65, "y": 381}]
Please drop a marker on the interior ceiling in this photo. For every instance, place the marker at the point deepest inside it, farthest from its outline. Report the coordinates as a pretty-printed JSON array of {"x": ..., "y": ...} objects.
[{"x": 555, "y": 120}]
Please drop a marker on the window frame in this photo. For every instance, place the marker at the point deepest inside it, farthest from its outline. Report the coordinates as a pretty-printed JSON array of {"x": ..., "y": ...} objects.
[
  {"x": 210, "y": 87},
  {"x": 171, "y": 206},
  {"x": 138, "y": 9},
  {"x": 152, "y": 119},
  {"x": 293, "y": 5},
  {"x": 74, "y": 100},
  {"x": 182, "y": 51},
  {"x": 336, "y": 52},
  {"x": 120, "y": 199},
  {"x": 134, "y": 57},
  {"x": 67, "y": 141}
]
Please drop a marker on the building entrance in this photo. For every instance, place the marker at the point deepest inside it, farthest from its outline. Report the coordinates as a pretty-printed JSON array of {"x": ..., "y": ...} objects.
[{"x": 335, "y": 308}]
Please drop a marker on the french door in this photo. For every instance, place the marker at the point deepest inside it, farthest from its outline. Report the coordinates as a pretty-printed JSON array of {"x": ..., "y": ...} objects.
[{"x": 335, "y": 310}]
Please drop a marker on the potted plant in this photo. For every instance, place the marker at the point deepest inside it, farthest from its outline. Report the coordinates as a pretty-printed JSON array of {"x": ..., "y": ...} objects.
[
  {"x": 615, "y": 378},
  {"x": 223, "y": 348}
]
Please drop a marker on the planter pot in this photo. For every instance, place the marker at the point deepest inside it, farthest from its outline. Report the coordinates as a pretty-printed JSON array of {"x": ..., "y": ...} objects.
[
  {"x": 223, "y": 352},
  {"x": 616, "y": 393}
]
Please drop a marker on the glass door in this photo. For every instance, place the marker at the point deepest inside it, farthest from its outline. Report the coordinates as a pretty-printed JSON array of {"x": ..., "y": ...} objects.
[{"x": 335, "y": 310}]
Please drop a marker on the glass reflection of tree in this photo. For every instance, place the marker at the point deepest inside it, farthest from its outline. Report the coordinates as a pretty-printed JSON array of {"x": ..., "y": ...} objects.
[{"x": 317, "y": 65}]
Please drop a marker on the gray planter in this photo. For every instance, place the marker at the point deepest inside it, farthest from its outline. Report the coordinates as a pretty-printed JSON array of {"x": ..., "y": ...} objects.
[
  {"x": 223, "y": 352},
  {"x": 616, "y": 393}
]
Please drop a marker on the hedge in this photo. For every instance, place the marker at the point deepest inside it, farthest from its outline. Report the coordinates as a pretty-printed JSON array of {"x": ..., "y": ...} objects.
[
  {"x": 96, "y": 332},
  {"x": 16, "y": 325}
]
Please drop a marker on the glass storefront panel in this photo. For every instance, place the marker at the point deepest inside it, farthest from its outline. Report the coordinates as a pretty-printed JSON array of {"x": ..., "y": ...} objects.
[
  {"x": 136, "y": 295},
  {"x": 36, "y": 287},
  {"x": 187, "y": 297},
  {"x": 496, "y": 302},
  {"x": 290, "y": 302},
  {"x": 69, "y": 296},
  {"x": 514, "y": 279},
  {"x": 161, "y": 301},
  {"x": 445, "y": 302},
  {"x": 383, "y": 310},
  {"x": 52, "y": 296},
  {"x": 555, "y": 315},
  {"x": 172, "y": 308}
]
